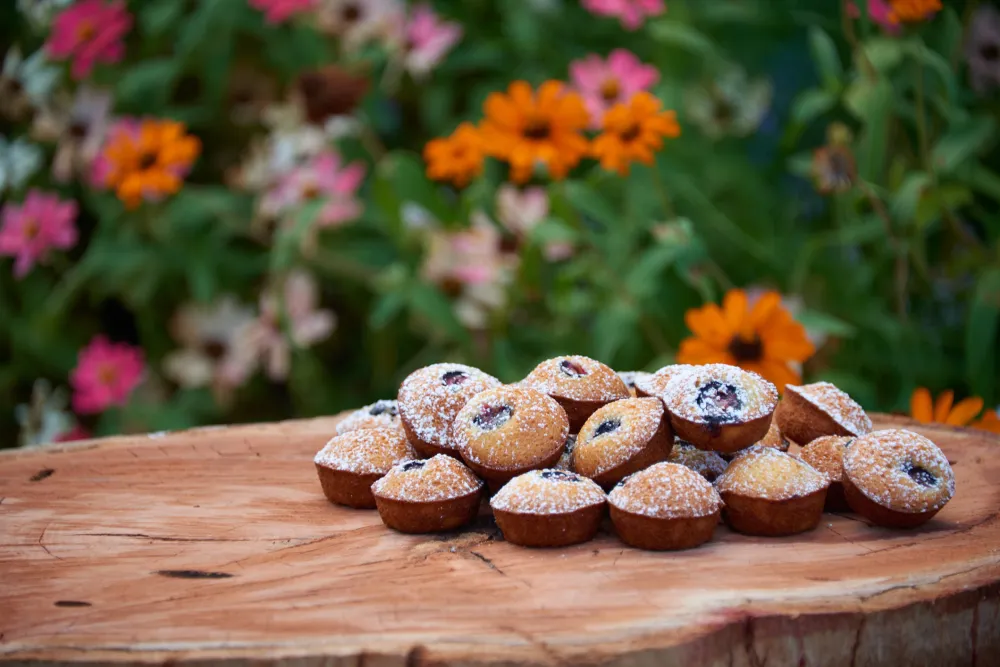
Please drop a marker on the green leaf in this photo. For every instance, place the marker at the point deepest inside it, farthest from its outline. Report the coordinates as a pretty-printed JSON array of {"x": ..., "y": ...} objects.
[
  {"x": 589, "y": 201},
  {"x": 871, "y": 102},
  {"x": 400, "y": 178},
  {"x": 962, "y": 141},
  {"x": 824, "y": 53},
  {"x": 981, "y": 335},
  {"x": 386, "y": 308},
  {"x": 436, "y": 308},
  {"x": 613, "y": 327},
  {"x": 906, "y": 199},
  {"x": 884, "y": 53},
  {"x": 146, "y": 83},
  {"x": 685, "y": 37},
  {"x": 158, "y": 16},
  {"x": 811, "y": 104},
  {"x": 827, "y": 323}
]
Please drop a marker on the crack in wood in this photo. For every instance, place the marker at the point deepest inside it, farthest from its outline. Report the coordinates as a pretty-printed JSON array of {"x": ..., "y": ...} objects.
[
  {"x": 159, "y": 538},
  {"x": 946, "y": 535},
  {"x": 44, "y": 473},
  {"x": 72, "y": 603},
  {"x": 847, "y": 539},
  {"x": 488, "y": 562},
  {"x": 194, "y": 574}
]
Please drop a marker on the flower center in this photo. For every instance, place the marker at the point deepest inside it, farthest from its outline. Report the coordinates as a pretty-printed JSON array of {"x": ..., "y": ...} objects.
[
  {"x": 723, "y": 112},
  {"x": 215, "y": 349},
  {"x": 147, "y": 160},
  {"x": 310, "y": 191},
  {"x": 746, "y": 350},
  {"x": 610, "y": 89},
  {"x": 350, "y": 12},
  {"x": 31, "y": 229},
  {"x": 536, "y": 129},
  {"x": 86, "y": 31},
  {"x": 107, "y": 374},
  {"x": 990, "y": 52},
  {"x": 631, "y": 133}
]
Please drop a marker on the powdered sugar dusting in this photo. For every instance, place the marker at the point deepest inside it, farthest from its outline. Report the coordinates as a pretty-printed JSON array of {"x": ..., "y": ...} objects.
[
  {"x": 615, "y": 433},
  {"x": 707, "y": 464},
  {"x": 365, "y": 451},
  {"x": 384, "y": 414},
  {"x": 656, "y": 384},
  {"x": 560, "y": 377},
  {"x": 534, "y": 427},
  {"x": 826, "y": 454},
  {"x": 768, "y": 473},
  {"x": 838, "y": 404},
  {"x": 430, "y": 397},
  {"x": 720, "y": 394},
  {"x": 547, "y": 492},
  {"x": 666, "y": 491},
  {"x": 889, "y": 467},
  {"x": 438, "y": 478},
  {"x": 630, "y": 377}
]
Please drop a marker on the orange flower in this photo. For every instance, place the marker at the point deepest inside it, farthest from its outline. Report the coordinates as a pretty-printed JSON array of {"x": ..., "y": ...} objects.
[
  {"x": 148, "y": 159},
  {"x": 911, "y": 11},
  {"x": 942, "y": 411},
  {"x": 457, "y": 158},
  {"x": 633, "y": 130},
  {"x": 990, "y": 421},
  {"x": 763, "y": 338},
  {"x": 523, "y": 127}
]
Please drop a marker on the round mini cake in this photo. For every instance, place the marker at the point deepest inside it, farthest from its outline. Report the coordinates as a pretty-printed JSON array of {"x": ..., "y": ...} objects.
[
  {"x": 826, "y": 454},
  {"x": 813, "y": 410},
  {"x": 429, "y": 399},
  {"x": 380, "y": 414},
  {"x": 720, "y": 407},
  {"x": 773, "y": 438},
  {"x": 707, "y": 464},
  {"x": 665, "y": 506},
  {"x": 653, "y": 386},
  {"x": 622, "y": 438},
  {"x": 897, "y": 478},
  {"x": 428, "y": 496},
  {"x": 549, "y": 508},
  {"x": 630, "y": 377},
  {"x": 507, "y": 431},
  {"x": 350, "y": 463},
  {"x": 565, "y": 461},
  {"x": 580, "y": 384},
  {"x": 768, "y": 492}
]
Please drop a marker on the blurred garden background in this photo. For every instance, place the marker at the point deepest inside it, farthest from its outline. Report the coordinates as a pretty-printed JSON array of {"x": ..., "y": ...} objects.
[{"x": 222, "y": 211}]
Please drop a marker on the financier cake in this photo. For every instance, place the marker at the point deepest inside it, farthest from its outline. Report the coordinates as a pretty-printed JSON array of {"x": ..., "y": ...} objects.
[
  {"x": 507, "y": 431},
  {"x": 428, "y": 496},
  {"x": 549, "y": 508},
  {"x": 630, "y": 377},
  {"x": 580, "y": 385},
  {"x": 720, "y": 407},
  {"x": 708, "y": 464},
  {"x": 665, "y": 506},
  {"x": 350, "y": 463},
  {"x": 770, "y": 493},
  {"x": 773, "y": 438},
  {"x": 654, "y": 385},
  {"x": 621, "y": 438},
  {"x": 826, "y": 454},
  {"x": 429, "y": 399},
  {"x": 811, "y": 411},
  {"x": 378, "y": 414},
  {"x": 897, "y": 478}
]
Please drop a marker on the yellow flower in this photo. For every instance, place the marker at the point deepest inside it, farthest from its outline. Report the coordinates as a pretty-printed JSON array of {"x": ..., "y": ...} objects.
[
  {"x": 633, "y": 131},
  {"x": 943, "y": 410},
  {"x": 523, "y": 126},
  {"x": 763, "y": 338},
  {"x": 149, "y": 159},
  {"x": 457, "y": 158}
]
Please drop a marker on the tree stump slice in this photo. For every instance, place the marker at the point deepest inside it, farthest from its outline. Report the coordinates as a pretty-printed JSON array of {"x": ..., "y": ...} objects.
[{"x": 216, "y": 546}]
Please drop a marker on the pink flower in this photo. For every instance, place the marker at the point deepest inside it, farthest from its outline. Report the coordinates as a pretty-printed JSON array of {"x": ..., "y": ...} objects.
[
  {"x": 631, "y": 13},
  {"x": 880, "y": 12},
  {"x": 428, "y": 39},
  {"x": 602, "y": 84},
  {"x": 89, "y": 32},
  {"x": 322, "y": 177},
  {"x": 521, "y": 210},
  {"x": 29, "y": 231},
  {"x": 77, "y": 432},
  {"x": 295, "y": 313},
  {"x": 106, "y": 373},
  {"x": 279, "y": 11}
]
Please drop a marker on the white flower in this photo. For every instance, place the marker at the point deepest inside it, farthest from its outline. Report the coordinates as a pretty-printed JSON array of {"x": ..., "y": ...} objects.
[
  {"x": 358, "y": 22},
  {"x": 45, "y": 418},
  {"x": 79, "y": 128},
  {"x": 40, "y": 12},
  {"x": 36, "y": 76},
  {"x": 19, "y": 160},
  {"x": 730, "y": 105}
]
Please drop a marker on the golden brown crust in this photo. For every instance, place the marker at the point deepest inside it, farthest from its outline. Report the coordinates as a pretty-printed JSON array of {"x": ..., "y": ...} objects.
[
  {"x": 429, "y": 517},
  {"x": 882, "y": 516},
  {"x": 723, "y": 438},
  {"x": 348, "y": 488},
  {"x": 803, "y": 420},
  {"x": 580, "y": 384},
  {"x": 773, "y": 518},
  {"x": 621, "y": 438},
  {"x": 659, "y": 534},
  {"x": 654, "y": 385},
  {"x": 550, "y": 530}
]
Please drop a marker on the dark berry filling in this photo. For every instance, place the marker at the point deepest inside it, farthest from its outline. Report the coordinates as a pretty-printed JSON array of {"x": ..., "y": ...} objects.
[
  {"x": 560, "y": 476},
  {"x": 921, "y": 476},
  {"x": 710, "y": 475},
  {"x": 454, "y": 377},
  {"x": 492, "y": 416},
  {"x": 383, "y": 407},
  {"x": 607, "y": 426},
  {"x": 413, "y": 465},
  {"x": 718, "y": 399},
  {"x": 572, "y": 369}
]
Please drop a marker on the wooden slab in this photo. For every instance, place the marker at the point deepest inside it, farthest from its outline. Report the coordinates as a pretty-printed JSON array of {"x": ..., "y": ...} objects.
[{"x": 215, "y": 546}]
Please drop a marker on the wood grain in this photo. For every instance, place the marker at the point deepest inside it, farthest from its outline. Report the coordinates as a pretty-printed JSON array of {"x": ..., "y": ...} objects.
[{"x": 216, "y": 546}]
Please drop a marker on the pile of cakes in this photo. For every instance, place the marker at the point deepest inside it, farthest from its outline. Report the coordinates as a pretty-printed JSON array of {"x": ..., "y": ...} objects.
[{"x": 667, "y": 455}]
